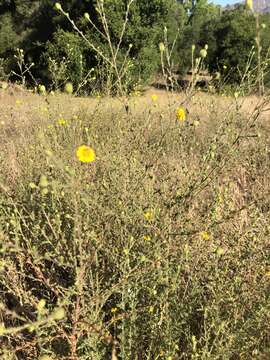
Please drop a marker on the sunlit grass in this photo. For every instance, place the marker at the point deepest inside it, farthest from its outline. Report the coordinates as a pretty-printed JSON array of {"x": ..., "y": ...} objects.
[{"x": 139, "y": 232}]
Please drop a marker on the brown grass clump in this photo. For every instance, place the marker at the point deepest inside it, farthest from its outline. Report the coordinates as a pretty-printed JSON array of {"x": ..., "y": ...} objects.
[{"x": 159, "y": 249}]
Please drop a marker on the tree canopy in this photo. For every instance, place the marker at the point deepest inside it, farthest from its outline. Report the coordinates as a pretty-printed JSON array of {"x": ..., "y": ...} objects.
[{"x": 60, "y": 54}]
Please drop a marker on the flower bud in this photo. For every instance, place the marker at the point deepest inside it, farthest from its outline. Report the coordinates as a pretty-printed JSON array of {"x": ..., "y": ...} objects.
[
  {"x": 161, "y": 47},
  {"x": 68, "y": 88},
  {"x": 41, "y": 305},
  {"x": 203, "y": 53},
  {"x": 43, "y": 182},
  {"x": 59, "y": 314},
  {"x": 86, "y": 16},
  {"x": 57, "y": 6},
  {"x": 2, "y": 329},
  {"x": 41, "y": 89}
]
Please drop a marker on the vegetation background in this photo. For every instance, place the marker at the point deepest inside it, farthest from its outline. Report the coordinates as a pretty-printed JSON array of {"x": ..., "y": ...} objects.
[
  {"x": 157, "y": 248},
  {"x": 59, "y": 54}
]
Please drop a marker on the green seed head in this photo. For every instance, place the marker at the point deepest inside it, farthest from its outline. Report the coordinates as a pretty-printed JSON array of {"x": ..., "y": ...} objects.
[
  {"x": 59, "y": 314},
  {"x": 57, "y": 6},
  {"x": 4, "y": 85},
  {"x": 43, "y": 182},
  {"x": 68, "y": 88},
  {"x": 203, "y": 53},
  {"x": 41, "y": 89},
  {"x": 161, "y": 47}
]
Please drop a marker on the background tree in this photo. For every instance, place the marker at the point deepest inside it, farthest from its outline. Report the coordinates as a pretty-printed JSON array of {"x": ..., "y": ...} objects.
[{"x": 59, "y": 54}]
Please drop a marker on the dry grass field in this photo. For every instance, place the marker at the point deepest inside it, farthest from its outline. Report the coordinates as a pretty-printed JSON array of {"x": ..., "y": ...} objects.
[{"x": 159, "y": 249}]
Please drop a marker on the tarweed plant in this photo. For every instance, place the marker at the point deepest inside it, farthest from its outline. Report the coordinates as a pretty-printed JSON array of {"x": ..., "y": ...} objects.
[
  {"x": 154, "y": 250},
  {"x": 137, "y": 231}
]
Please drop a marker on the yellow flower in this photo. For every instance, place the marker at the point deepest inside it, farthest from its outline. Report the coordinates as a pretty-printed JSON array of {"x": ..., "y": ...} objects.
[
  {"x": 114, "y": 310},
  {"x": 146, "y": 238},
  {"x": 181, "y": 114},
  {"x": 85, "y": 154},
  {"x": 154, "y": 98},
  {"x": 62, "y": 121},
  {"x": 149, "y": 216},
  {"x": 249, "y": 4},
  {"x": 205, "y": 235}
]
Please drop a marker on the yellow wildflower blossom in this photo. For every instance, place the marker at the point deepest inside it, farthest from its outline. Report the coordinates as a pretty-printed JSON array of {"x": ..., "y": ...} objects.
[
  {"x": 148, "y": 215},
  {"x": 85, "y": 154},
  {"x": 62, "y": 122},
  {"x": 181, "y": 114},
  {"x": 154, "y": 98},
  {"x": 146, "y": 238},
  {"x": 205, "y": 235}
]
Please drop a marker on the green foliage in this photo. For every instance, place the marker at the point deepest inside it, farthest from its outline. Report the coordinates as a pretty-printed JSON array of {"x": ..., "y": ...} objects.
[
  {"x": 68, "y": 52},
  {"x": 202, "y": 13},
  {"x": 235, "y": 40},
  {"x": 232, "y": 39},
  {"x": 8, "y": 36}
]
